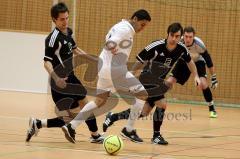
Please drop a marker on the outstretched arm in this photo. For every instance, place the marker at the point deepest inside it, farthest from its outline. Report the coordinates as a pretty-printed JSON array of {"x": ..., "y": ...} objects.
[
  {"x": 137, "y": 68},
  {"x": 82, "y": 53},
  {"x": 193, "y": 69},
  {"x": 60, "y": 82},
  {"x": 211, "y": 69}
]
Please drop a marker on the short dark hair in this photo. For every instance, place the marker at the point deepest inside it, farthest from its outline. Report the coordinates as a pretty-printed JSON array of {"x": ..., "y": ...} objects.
[
  {"x": 175, "y": 27},
  {"x": 58, "y": 8},
  {"x": 142, "y": 15},
  {"x": 189, "y": 29}
]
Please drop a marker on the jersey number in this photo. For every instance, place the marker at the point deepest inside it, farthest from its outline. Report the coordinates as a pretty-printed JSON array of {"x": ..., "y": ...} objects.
[{"x": 168, "y": 61}]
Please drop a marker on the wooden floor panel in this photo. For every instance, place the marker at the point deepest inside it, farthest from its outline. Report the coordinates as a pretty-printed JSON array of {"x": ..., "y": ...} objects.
[{"x": 194, "y": 137}]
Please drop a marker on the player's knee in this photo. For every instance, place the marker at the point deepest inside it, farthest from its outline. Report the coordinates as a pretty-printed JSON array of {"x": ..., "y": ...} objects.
[
  {"x": 170, "y": 82},
  {"x": 139, "y": 91},
  {"x": 82, "y": 102},
  {"x": 204, "y": 83},
  {"x": 161, "y": 104},
  {"x": 100, "y": 102},
  {"x": 143, "y": 95}
]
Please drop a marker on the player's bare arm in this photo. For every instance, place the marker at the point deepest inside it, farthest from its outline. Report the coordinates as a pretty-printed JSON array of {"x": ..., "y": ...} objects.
[
  {"x": 60, "y": 82},
  {"x": 137, "y": 68},
  {"x": 193, "y": 69},
  {"x": 82, "y": 53}
]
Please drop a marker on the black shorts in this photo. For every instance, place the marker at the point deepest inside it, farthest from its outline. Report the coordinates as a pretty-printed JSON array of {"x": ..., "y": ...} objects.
[
  {"x": 153, "y": 97},
  {"x": 68, "y": 97},
  {"x": 154, "y": 86},
  {"x": 182, "y": 73}
]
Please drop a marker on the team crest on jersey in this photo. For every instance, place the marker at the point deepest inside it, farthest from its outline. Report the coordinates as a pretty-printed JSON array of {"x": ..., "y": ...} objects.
[{"x": 162, "y": 54}]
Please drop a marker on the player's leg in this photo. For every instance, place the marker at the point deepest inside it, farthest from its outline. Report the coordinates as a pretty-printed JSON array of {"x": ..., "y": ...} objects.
[
  {"x": 201, "y": 68},
  {"x": 91, "y": 123},
  {"x": 158, "y": 117},
  {"x": 86, "y": 114},
  {"x": 103, "y": 90},
  {"x": 35, "y": 125},
  {"x": 111, "y": 118},
  {"x": 137, "y": 89},
  {"x": 208, "y": 97}
]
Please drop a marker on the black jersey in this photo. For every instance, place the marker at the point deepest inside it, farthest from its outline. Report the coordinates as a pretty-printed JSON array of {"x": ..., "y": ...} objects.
[
  {"x": 58, "y": 50},
  {"x": 160, "y": 59}
]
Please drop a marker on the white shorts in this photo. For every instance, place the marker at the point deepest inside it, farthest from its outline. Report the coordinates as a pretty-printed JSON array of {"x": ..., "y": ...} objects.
[{"x": 128, "y": 83}]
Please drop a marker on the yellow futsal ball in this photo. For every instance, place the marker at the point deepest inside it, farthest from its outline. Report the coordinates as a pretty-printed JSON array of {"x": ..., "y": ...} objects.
[{"x": 113, "y": 144}]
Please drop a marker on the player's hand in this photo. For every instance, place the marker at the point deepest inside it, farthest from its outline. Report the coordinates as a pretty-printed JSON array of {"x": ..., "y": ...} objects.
[
  {"x": 214, "y": 81},
  {"x": 61, "y": 82},
  {"x": 197, "y": 82}
]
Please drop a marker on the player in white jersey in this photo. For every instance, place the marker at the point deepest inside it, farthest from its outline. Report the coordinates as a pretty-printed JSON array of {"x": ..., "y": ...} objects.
[
  {"x": 160, "y": 57},
  {"x": 113, "y": 73}
]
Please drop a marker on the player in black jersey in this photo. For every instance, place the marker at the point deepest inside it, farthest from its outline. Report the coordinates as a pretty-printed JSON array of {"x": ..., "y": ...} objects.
[
  {"x": 160, "y": 57},
  {"x": 67, "y": 91}
]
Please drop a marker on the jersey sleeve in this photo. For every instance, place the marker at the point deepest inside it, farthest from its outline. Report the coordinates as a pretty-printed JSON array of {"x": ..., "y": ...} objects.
[
  {"x": 50, "y": 48},
  {"x": 74, "y": 44},
  {"x": 207, "y": 58},
  {"x": 200, "y": 45},
  {"x": 147, "y": 53},
  {"x": 70, "y": 32}
]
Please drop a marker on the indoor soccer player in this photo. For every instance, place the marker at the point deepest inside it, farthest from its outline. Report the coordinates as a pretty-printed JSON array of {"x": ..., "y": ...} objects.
[{"x": 68, "y": 93}]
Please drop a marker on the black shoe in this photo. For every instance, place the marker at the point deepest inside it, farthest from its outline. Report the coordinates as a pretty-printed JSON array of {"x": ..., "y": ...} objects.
[
  {"x": 107, "y": 122},
  {"x": 33, "y": 129},
  {"x": 131, "y": 135},
  {"x": 97, "y": 139},
  {"x": 69, "y": 133},
  {"x": 159, "y": 140}
]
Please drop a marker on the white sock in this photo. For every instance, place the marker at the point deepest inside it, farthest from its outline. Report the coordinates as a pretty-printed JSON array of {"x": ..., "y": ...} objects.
[
  {"x": 83, "y": 114},
  {"x": 44, "y": 123},
  {"x": 134, "y": 114},
  {"x": 211, "y": 103}
]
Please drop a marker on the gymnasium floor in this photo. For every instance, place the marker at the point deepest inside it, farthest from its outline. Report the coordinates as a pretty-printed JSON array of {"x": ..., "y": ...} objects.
[{"x": 191, "y": 135}]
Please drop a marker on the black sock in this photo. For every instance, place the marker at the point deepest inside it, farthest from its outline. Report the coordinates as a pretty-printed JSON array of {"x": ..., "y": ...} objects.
[
  {"x": 55, "y": 122},
  {"x": 211, "y": 108},
  {"x": 141, "y": 115},
  {"x": 157, "y": 120},
  {"x": 156, "y": 133},
  {"x": 122, "y": 115},
  {"x": 95, "y": 136},
  {"x": 208, "y": 98},
  {"x": 92, "y": 124},
  {"x": 39, "y": 124}
]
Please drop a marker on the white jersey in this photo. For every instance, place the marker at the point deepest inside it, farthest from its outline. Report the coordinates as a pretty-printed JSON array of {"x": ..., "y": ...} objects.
[{"x": 121, "y": 34}]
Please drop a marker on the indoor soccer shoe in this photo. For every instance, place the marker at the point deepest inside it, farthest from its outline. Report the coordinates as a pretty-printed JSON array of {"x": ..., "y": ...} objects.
[
  {"x": 69, "y": 133},
  {"x": 159, "y": 140},
  {"x": 213, "y": 114},
  {"x": 33, "y": 129},
  {"x": 131, "y": 135},
  {"x": 99, "y": 139},
  {"x": 107, "y": 121}
]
